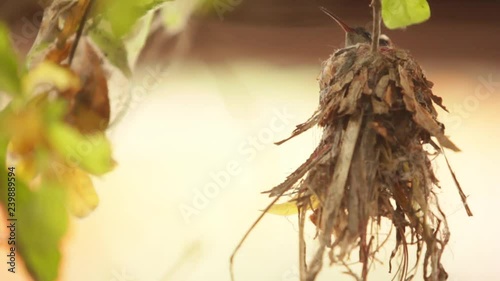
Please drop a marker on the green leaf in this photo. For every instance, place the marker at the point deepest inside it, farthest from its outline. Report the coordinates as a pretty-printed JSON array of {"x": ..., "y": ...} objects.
[
  {"x": 92, "y": 153},
  {"x": 42, "y": 221},
  {"x": 9, "y": 69},
  {"x": 4, "y": 142},
  {"x": 176, "y": 15},
  {"x": 402, "y": 13},
  {"x": 52, "y": 111},
  {"x": 136, "y": 39},
  {"x": 112, "y": 47},
  {"x": 123, "y": 14}
]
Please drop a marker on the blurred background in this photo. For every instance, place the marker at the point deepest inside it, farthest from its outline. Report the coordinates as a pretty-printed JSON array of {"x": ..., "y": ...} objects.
[{"x": 211, "y": 94}]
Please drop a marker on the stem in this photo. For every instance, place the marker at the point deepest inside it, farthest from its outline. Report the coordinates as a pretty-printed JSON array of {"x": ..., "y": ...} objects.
[
  {"x": 302, "y": 244},
  {"x": 79, "y": 31},
  {"x": 235, "y": 251},
  {"x": 377, "y": 19}
]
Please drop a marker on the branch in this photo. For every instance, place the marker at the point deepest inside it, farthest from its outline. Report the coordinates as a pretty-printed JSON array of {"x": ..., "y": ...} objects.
[
  {"x": 79, "y": 31},
  {"x": 377, "y": 19}
]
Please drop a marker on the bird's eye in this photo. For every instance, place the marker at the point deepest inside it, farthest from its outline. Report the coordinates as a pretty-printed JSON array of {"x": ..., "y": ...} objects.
[
  {"x": 384, "y": 40},
  {"x": 367, "y": 34}
]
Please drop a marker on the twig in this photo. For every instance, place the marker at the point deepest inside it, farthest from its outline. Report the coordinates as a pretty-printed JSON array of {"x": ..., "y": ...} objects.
[
  {"x": 231, "y": 260},
  {"x": 302, "y": 243},
  {"x": 187, "y": 254},
  {"x": 460, "y": 191},
  {"x": 377, "y": 19},
  {"x": 79, "y": 31}
]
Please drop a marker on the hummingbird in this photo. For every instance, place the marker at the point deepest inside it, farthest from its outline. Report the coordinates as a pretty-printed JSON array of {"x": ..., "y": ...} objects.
[{"x": 357, "y": 35}]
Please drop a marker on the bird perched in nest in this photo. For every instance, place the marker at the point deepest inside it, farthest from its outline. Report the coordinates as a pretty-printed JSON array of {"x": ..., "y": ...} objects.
[
  {"x": 355, "y": 35},
  {"x": 377, "y": 112}
]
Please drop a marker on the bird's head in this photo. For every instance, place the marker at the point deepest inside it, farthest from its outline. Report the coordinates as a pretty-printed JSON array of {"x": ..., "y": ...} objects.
[{"x": 357, "y": 35}]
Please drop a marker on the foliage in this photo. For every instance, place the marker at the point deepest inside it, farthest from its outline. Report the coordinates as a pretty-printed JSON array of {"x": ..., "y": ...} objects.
[
  {"x": 52, "y": 131},
  {"x": 9, "y": 70},
  {"x": 402, "y": 13}
]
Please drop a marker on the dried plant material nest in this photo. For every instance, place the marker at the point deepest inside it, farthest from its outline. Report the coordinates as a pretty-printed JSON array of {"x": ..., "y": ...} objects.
[{"x": 377, "y": 113}]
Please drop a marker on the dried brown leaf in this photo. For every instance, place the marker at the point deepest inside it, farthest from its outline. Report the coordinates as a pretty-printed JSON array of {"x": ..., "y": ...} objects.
[
  {"x": 349, "y": 103},
  {"x": 381, "y": 88},
  {"x": 421, "y": 116},
  {"x": 316, "y": 156},
  {"x": 89, "y": 107}
]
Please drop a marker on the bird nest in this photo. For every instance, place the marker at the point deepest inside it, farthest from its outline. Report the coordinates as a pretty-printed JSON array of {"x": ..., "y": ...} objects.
[{"x": 380, "y": 128}]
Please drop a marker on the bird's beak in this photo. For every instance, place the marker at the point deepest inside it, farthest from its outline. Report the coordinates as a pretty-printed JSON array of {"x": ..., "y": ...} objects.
[{"x": 344, "y": 26}]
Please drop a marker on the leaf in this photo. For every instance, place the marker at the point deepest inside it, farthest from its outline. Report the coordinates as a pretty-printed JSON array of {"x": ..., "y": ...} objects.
[
  {"x": 176, "y": 15},
  {"x": 290, "y": 208},
  {"x": 26, "y": 167},
  {"x": 42, "y": 223},
  {"x": 314, "y": 158},
  {"x": 50, "y": 73},
  {"x": 49, "y": 29},
  {"x": 36, "y": 52},
  {"x": 92, "y": 153},
  {"x": 136, "y": 39},
  {"x": 402, "y": 13},
  {"x": 72, "y": 21},
  {"x": 25, "y": 128},
  {"x": 123, "y": 14},
  {"x": 9, "y": 69},
  {"x": 4, "y": 142},
  {"x": 112, "y": 47},
  {"x": 422, "y": 117},
  {"x": 284, "y": 209},
  {"x": 58, "y": 55},
  {"x": 89, "y": 110},
  {"x": 82, "y": 197}
]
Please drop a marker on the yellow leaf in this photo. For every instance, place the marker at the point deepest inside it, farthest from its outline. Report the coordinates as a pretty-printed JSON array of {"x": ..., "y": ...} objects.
[
  {"x": 26, "y": 168},
  {"x": 290, "y": 208},
  {"x": 73, "y": 20},
  {"x": 284, "y": 209},
  {"x": 25, "y": 129},
  {"x": 82, "y": 198},
  {"x": 50, "y": 73}
]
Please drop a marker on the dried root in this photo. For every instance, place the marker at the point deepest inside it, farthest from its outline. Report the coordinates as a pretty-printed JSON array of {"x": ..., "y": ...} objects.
[{"x": 377, "y": 113}]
